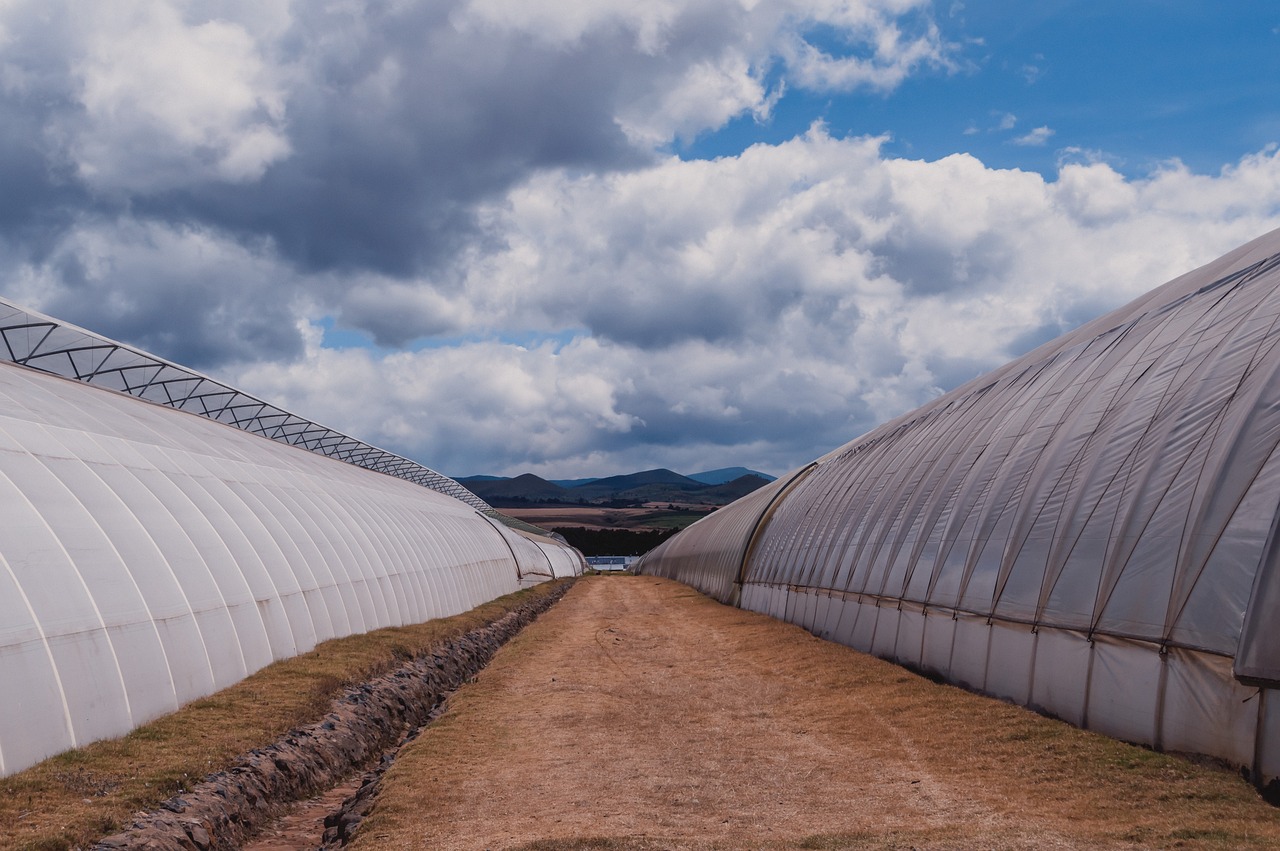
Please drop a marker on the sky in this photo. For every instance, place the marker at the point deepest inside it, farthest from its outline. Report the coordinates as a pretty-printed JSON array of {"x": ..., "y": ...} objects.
[{"x": 589, "y": 237}]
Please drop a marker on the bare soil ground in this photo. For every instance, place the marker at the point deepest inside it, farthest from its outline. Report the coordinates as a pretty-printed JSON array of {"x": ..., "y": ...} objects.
[{"x": 638, "y": 714}]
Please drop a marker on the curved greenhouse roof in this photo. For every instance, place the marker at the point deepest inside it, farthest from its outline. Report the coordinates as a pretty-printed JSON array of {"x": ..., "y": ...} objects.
[
  {"x": 149, "y": 555},
  {"x": 51, "y": 345},
  {"x": 1090, "y": 530}
]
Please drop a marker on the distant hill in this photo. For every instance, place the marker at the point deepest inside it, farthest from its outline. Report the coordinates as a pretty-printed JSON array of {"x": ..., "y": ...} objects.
[
  {"x": 637, "y": 485},
  {"x": 659, "y": 485},
  {"x": 727, "y": 474},
  {"x": 571, "y": 483},
  {"x": 736, "y": 489},
  {"x": 526, "y": 488}
]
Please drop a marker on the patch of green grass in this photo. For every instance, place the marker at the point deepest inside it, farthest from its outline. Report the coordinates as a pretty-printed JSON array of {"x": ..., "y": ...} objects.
[
  {"x": 669, "y": 519},
  {"x": 1205, "y": 835}
]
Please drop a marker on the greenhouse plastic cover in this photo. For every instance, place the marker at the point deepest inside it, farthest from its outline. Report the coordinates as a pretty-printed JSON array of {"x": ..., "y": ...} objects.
[
  {"x": 1089, "y": 530},
  {"x": 149, "y": 556},
  {"x": 51, "y": 345}
]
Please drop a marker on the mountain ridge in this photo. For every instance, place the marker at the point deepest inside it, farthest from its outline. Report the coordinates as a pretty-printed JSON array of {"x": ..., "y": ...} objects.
[
  {"x": 645, "y": 486},
  {"x": 724, "y": 475}
]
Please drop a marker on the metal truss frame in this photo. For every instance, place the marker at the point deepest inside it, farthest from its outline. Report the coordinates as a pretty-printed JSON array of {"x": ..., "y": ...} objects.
[{"x": 33, "y": 340}]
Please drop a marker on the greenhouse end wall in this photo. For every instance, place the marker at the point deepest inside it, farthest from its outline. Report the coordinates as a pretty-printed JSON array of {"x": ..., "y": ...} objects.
[{"x": 1090, "y": 530}]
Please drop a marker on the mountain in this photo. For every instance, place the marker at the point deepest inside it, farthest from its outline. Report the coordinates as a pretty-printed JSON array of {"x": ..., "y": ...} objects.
[
  {"x": 636, "y": 485},
  {"x": 728, "y": 474},
  {"x": 658, "y": 486},
  {"x": 525, "y": 488},
  {"x": 736, "y": 489},
  {"x": 570, "y": 483}
]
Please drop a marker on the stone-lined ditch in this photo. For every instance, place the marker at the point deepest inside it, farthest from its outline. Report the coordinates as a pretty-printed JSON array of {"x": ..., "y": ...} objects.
[{"x": 367, "y": 724}]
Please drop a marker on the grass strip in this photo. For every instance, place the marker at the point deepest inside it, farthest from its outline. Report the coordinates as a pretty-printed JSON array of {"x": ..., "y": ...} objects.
[{"x": 79, "y": 796}]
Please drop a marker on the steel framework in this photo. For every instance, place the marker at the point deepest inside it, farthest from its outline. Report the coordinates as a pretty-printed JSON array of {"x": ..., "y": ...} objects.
[{"x": 50, "y": 345}]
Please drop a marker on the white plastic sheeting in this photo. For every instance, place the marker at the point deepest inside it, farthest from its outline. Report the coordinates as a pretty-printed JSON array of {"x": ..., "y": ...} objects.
[
  {"x": 1090, "y": 530},
  {"x": 562, "y": 561},
  {"x": 711, "y": 563},
  {"x": 150, "y": 556},
  {"x": 540, "y": 558}
]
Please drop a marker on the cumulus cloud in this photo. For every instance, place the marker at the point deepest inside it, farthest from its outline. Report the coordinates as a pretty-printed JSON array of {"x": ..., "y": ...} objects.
[
  {"x": 360, "y": 140},
  {"x": 141, "y": 95},
  {"x": 480, "y": 188},
  {"x": 692, "y": 66},
  {"x": 894, "y": 52},
  {"x": 189, "y": 293},
  {"x": 821, "y": 288}
]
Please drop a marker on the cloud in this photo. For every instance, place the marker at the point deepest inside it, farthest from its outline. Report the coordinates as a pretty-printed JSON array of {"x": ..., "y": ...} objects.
[
  {"x": 821, "y": 288},
  {"x": 480, "y": 187},
  {"x": 141, "y": 97},
  {"x": 1076, "y": 155},
  {"x": 191, "y": 294},
  {"x": 895, "y": 55},
  {"x": 361, "y": 143},
  {"x": 1035, "y": 138}
]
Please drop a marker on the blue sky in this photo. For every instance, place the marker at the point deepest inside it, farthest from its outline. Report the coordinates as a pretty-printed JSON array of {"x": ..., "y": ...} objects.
[
  {"x": 587, "y": 237},
  {"x": 1136, "y": 83}
]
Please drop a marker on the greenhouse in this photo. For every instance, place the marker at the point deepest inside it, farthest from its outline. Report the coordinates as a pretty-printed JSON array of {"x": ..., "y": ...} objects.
[
  {"x": 155, "y": 549},
  {"x": 1090, "y": 530}
]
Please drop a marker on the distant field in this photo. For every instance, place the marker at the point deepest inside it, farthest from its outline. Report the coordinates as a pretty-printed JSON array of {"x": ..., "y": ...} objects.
[{"x": 588, "y": 517}]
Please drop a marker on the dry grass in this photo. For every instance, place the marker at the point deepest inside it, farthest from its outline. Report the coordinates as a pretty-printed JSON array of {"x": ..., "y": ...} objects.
[
  {"x": 77, "y": 797},
  {"x": 638, "y": 714}
]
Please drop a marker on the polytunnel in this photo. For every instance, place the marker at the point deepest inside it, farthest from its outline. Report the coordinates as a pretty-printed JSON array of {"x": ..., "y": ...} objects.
[
  {"x": 1090, "y": 530},
  {"x": 152, "y": 552}
]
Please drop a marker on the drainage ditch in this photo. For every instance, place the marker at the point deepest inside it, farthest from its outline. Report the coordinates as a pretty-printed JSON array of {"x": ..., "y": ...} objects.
[{"x": 362, "y": 732}]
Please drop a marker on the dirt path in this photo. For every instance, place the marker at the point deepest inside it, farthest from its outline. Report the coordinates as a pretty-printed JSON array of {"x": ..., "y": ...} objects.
[{"x": 639, "y": 714}]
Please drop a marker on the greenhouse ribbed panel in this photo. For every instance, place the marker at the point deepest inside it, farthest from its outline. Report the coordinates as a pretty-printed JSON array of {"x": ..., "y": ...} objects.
[
  {"x": 50, "y": 345},
  {"x": 1090, "y": 530},
  {"x": 149, "y": 556}
]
